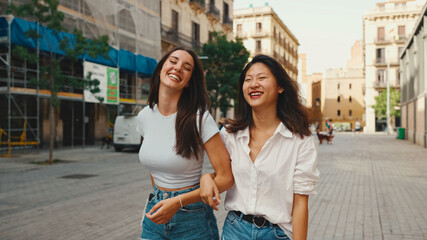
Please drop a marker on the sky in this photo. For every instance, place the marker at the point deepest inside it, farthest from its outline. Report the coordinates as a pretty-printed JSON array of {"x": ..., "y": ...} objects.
[{"x": 325, "y": 29}]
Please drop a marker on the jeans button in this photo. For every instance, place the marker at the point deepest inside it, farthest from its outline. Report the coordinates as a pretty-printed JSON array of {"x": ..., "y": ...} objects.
[{"x": 165, "y": 195}]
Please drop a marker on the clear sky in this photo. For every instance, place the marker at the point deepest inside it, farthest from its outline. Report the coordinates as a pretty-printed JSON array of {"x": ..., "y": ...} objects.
[{"x": 325, "y": 29}]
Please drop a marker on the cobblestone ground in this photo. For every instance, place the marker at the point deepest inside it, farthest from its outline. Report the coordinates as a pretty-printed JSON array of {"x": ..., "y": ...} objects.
[{"x": 371, "y": 187}]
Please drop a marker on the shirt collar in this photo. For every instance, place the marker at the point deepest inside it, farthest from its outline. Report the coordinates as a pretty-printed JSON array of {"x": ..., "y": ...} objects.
[{"x": 281, "y": 129}]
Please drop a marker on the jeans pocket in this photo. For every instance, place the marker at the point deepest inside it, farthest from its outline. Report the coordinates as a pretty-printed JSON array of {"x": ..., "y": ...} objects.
[
  {"x": 194, "y": 207},
  {"x": 231, "y": 217},
  {"x": 280, "y": 234}
]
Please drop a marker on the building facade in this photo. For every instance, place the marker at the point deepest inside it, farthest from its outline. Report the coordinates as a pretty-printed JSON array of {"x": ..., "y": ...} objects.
[
  {"x": 342, "y": 98},
  {"x": 263, "y": 32},
  {"x": 190, "y": 23},
  {"x": 413, "y": 72},
  {"x": 135, "y": 48},
  {"x": 385, "y": 30},
  {"x": 315, "y": 83}
]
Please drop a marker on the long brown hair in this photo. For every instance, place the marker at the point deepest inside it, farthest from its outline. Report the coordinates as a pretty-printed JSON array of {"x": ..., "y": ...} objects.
[
  {"x": 194, "y": 99},
  {"x": 290, "y": 111}
]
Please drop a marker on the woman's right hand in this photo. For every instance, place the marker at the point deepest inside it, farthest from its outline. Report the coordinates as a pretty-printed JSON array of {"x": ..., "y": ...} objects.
[{"x": 209, "y": 191}]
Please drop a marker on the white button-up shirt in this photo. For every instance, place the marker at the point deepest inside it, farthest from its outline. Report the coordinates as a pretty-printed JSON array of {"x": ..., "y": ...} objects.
[{"x": 285, "y": 165}]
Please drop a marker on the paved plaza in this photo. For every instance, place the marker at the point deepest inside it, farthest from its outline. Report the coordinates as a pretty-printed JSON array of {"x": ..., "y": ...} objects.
[{"x": 371, "y": 187}]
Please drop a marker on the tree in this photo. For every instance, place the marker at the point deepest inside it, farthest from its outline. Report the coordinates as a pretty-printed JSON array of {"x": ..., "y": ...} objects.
[
  {"x": 224, "y": 63},
  {"x": 380, "y": 106},
  {"x": 51, "y": 76}
]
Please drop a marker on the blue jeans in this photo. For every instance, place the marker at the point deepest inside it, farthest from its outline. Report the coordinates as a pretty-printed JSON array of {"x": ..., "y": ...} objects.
[
  {"x": 237, "y": 228},
  {"x": 193, "y": 221}
]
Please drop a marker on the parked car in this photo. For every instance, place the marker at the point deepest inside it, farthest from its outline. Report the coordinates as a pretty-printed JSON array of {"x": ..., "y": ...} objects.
[{"x": 125, "y": 135}]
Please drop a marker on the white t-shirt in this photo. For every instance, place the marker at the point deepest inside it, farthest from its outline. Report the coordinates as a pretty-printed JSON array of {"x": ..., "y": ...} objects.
[
  {"x": 285, "y": 165},
  {"x": 157, "y": 151}
]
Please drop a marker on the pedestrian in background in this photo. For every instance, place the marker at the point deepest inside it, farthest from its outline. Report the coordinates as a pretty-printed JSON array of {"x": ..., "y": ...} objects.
[
  {"x": 273, "y": 157},
  {"x": 357, "y": 126},
  {"x": 177, "y": 131}
]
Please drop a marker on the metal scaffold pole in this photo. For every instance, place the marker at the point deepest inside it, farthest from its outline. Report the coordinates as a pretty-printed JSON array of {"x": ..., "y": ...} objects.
[{"x": 9, "y": 100}]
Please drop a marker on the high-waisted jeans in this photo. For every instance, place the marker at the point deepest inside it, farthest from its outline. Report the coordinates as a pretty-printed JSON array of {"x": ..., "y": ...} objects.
[{"x": 193, "y": 221}]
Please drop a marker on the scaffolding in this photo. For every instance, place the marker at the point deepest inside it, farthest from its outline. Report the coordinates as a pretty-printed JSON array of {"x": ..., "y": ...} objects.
[{"x": 23, "y": 125}]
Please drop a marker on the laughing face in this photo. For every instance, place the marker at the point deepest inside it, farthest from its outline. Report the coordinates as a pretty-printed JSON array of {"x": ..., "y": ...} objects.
[
  {"x": 260, "y": 87},
  {"x": 177, "y": 70}
]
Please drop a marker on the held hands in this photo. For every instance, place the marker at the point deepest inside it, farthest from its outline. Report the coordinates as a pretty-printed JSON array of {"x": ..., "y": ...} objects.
[
  {"x": 164, "y": 210},
  {"x": 209, "y": 191}
]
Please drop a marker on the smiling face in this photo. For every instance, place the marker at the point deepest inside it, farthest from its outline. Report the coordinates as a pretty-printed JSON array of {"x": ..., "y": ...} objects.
[
  {"x": 260, "y": 87},
  {"x": 177, "y": 70}
]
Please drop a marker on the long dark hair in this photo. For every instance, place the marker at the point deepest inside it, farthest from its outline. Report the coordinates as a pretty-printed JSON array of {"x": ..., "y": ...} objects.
[
  {"x": 194, "y": 98},
  {"x": 289, "y": 108}
]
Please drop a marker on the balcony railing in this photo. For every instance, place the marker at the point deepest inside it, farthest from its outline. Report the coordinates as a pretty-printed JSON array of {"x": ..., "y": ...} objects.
[
  {"x": 227, "y": 21},
  {"x": 380, "y": 61},
  {"x": 241, "y": 34},
  {"x": 178, "y": 39},
  {"x": 213, "y": 11},
  {"x": 198, "y": 4}
]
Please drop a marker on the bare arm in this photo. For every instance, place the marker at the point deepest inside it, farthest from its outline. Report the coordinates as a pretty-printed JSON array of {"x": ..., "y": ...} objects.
[
  {"x": 300, "y": 217},
  {"x": 220, "y": 160}
]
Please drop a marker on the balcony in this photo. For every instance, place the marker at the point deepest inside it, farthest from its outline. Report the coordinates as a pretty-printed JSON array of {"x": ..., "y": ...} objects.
[
  {"x": 173, "y": 37},
  {"x": 197, "y": 5},
  {"x": 213, "y": 13},
  {"x": 241, "y": 35},
  {"x": 227, "y": 22},
  {"x": 401, "y": 39},
  {"x": 380, "y": 62},
  {"x": 383, "y": 41},
  {"x": 259, "y": 34},
  {"x": 381, "y": 84}
]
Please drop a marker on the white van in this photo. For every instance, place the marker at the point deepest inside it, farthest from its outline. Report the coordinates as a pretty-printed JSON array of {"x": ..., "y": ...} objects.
[{"x": 125, "y": 135}]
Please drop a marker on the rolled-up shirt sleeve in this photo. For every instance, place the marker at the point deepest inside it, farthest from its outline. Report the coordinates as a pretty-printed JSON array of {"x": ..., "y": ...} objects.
[{"x": 306, "y": 174}]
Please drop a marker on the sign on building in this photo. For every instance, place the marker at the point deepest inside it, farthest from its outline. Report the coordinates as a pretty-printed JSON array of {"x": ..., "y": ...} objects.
[{"x": 108, "y": 83}]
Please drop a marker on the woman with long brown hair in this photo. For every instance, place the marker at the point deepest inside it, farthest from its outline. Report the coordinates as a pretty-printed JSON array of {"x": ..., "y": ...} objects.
[
  {"x": 177, "y": 131},
  {"x": 273, "y": 157}
]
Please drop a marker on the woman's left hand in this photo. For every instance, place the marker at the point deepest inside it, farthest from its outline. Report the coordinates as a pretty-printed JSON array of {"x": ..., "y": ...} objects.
[
  {"x": 209, "y": 191},
  {"x": 164, "y": 210}
]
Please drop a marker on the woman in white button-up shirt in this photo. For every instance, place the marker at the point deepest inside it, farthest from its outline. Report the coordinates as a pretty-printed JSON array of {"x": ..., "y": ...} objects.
[{"x": 274, "y": 158}]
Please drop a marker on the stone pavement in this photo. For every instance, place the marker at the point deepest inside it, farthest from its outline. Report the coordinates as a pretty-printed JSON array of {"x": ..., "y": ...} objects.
[{"x": 371, "y": 187}]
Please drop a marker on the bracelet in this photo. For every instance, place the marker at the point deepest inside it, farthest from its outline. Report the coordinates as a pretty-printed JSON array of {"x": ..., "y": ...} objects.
[{"x": 180, "y": 202}]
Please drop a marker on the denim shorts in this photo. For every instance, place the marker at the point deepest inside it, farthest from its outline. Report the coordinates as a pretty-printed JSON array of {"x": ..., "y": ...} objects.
[
  {"x": 193, "y": 221},
  {"x": 237, "y": 228}
]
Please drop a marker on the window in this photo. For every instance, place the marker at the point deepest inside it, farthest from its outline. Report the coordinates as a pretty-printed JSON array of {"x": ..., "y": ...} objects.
[
  {"x": 380, "y": 54},
  {"x": 399, "y": 51},
  {"x": 338, "y": 113},
  {"x": 226, "y": 10},
  {"x": 349, "y": 86},
  {"x": 274, "y": 32},
  {"x": 401, "y": 31},
  {"x": 349, "y": 99},
  {"x": 258, "y": 27},
  {"x": 196, "y": 35},
  {"x": 175, "y": 18},
  {"x": 317, "y": 102},
  {"x": 339, "y": 99},
  {"x": 380, "y": 34},
  {"x": 126, "y": 21},
  {"x": 258, "y": 46},
  {"x": 338, "y": 86},
  {"x": 210, "y": 36},
  {"x": 239, "y": 28},
  {"x": 350, "y": 113},
  {"x": 380, "y": 77},
  {"x": 398, "y": 77}
]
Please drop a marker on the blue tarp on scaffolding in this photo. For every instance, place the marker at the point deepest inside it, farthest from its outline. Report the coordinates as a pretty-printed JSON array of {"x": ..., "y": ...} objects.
[{"x": 49, "y": 39}]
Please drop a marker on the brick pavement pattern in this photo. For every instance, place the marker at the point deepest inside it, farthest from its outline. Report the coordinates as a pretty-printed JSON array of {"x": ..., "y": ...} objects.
[{"x": 371, "y": 187}]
